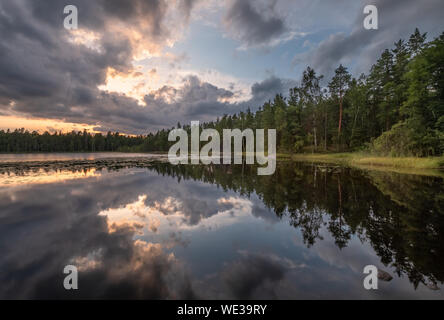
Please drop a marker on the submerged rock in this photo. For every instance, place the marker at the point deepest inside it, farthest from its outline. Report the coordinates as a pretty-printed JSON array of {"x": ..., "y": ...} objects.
[
  {"x": 432, "y": 286},
  {"x": 384, "y": 276}
]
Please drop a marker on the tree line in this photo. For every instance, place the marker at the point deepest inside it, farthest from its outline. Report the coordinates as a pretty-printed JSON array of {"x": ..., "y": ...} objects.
[
  {"x": 397, "y": 109},
  {"x": 21, "y": 140}
]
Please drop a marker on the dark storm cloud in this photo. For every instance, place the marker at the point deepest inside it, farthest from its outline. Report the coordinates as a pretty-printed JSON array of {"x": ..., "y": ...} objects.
[
  {"x": 47, "y": 76},
  {"x": 253, "y": 26},
  {"x": 93, "y": 14},
  {"x": 194, "y": 98},
  {"x": 397, "y": 19},
  {"x": 198, "y": 100},
  {"x": 271, "y": 86}
]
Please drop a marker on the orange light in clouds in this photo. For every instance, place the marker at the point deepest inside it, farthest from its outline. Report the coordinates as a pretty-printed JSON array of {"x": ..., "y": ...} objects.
[
  {"x": 41, "y": 125},
  {"x": 133, "y": 84},
  {"x": 86, "y": 38}
]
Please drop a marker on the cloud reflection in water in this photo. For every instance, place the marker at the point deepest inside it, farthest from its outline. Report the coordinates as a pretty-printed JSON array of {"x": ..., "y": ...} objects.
[{"x": 136, "y": 233}]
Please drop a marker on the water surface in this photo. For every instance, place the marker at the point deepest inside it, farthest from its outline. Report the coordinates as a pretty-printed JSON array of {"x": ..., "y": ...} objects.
[
  {"x": 24, "y": 157},
  {"x": 138, "y": 227}
]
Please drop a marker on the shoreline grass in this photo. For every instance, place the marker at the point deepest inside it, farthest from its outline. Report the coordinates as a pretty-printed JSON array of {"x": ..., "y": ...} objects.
[{"x": 359, "y": 160}]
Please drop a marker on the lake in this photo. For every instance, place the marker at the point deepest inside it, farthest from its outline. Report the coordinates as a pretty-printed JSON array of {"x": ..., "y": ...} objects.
[{"x": 137, "y": 227}]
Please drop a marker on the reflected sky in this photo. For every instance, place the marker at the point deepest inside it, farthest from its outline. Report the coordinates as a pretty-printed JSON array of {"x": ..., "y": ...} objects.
[
  {"x": 164, "y": 232},
  {"x": 26, "y": 157},
  {"x": 41, "y": 176}
]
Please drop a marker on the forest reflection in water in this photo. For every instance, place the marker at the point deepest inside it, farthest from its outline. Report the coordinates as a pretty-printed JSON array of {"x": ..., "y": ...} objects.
[{"x": 149, "y": 229}]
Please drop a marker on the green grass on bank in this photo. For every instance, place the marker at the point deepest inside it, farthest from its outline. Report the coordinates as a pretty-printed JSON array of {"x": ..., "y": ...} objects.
[{"x": 358, "y": 159}]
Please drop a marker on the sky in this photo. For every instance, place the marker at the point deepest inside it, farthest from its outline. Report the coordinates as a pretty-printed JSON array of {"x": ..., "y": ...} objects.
[{"x": 137, "y": 66}]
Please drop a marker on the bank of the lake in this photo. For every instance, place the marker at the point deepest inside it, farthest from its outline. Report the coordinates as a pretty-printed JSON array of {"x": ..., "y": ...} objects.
[{"x": 360, "y": 159}]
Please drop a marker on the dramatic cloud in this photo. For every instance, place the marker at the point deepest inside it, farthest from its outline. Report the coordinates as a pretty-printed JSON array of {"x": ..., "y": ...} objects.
[
  {"x": 251, "y": 25},
  {"x": 121, "y": 70},
  {"x": 48, "y": 72},
  {"x": 360, "y": 48},
  {"x": 197, "y": 100},
  {"x": 52, "y": 73},
  {"x": 266, "y": 89}
]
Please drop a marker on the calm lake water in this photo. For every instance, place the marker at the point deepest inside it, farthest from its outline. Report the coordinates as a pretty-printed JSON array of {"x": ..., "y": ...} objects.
[{"x": 138, "y": 227}]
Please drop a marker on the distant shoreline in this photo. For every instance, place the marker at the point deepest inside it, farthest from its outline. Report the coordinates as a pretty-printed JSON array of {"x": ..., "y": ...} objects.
[
  {"x": 351, "y": 159},
  {"x": 58, "y": 152}
]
